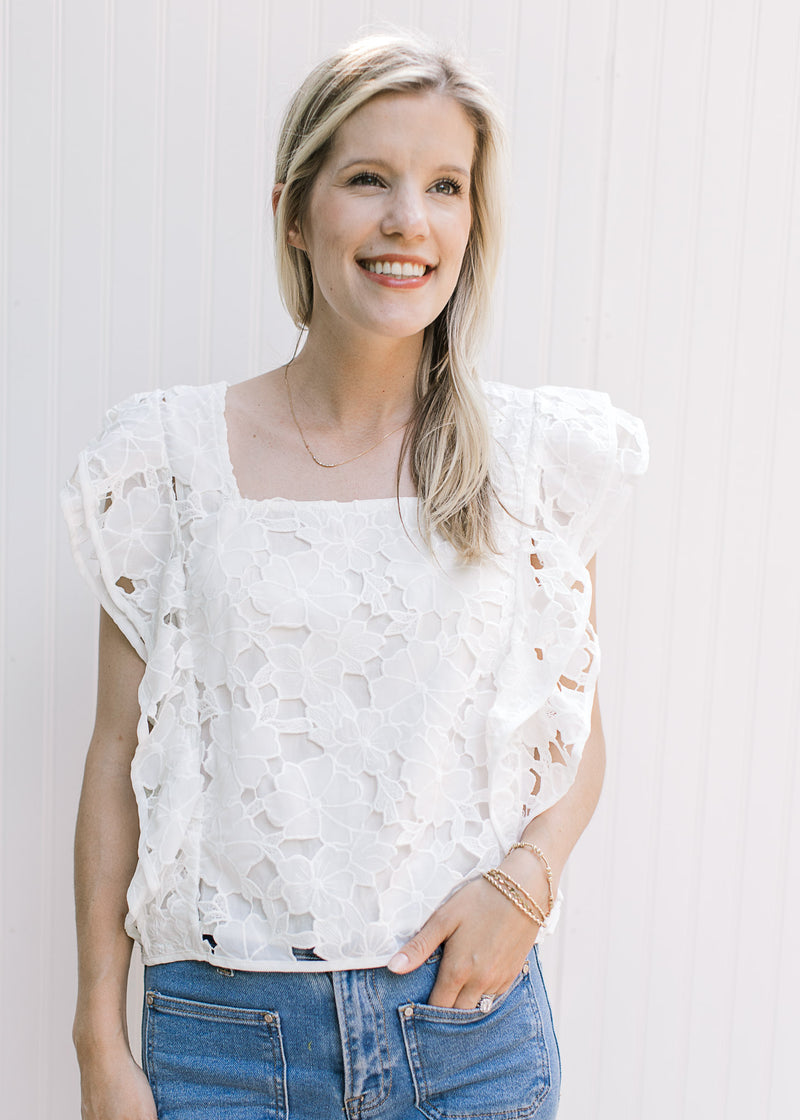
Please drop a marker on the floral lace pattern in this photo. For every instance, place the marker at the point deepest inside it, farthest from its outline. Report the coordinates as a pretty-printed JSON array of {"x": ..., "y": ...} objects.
[{"x": 337, "y": 727}]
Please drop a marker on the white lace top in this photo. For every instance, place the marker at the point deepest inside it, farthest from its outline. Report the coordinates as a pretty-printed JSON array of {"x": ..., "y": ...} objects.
[{"x": 336, "y": 728}]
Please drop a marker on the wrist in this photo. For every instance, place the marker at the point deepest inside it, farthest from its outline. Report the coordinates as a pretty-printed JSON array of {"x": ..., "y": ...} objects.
[
  {"x": 545, "y": 909},
  {"x": 97, "y": 1032},
  {"x": 531, "y": 878},
  {"x": 552, "y": 843}
]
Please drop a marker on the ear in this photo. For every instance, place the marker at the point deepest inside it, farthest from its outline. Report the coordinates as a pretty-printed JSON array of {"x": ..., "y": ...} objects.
[{"x": 293, "y": 235}]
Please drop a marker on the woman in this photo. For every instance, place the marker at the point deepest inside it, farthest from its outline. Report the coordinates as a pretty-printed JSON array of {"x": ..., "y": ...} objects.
[{"x": 347, "y": 656}]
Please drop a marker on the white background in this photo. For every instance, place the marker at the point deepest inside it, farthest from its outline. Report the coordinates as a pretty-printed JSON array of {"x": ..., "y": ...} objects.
[{"x": 654, "y": 253}]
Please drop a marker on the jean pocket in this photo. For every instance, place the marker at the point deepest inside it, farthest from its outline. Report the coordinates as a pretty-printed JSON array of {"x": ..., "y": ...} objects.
[
  {"x": 201, "y": 1056},
  {"x": 468, "y": 1064}
]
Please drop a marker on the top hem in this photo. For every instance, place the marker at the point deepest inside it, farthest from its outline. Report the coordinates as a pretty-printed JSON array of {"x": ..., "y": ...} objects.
[{"x": 340, "y": 964}]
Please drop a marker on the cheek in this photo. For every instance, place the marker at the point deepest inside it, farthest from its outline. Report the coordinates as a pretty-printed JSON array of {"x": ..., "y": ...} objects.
[
  {"x": 457, "y": 230},
  {"x": 458, "y": 241}
]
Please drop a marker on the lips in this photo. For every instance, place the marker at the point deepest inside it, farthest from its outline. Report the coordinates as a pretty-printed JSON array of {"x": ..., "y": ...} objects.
[
  {"x": 393, "y": 270},
  {"x": 393, "y": 259}
]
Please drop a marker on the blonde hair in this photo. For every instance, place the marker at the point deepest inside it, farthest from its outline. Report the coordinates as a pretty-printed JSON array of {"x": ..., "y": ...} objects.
[{"x": 448, "y": 437}]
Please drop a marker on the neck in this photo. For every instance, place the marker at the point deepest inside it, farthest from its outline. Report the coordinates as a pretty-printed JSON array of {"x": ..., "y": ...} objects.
[{"x": 356, "y": 385}]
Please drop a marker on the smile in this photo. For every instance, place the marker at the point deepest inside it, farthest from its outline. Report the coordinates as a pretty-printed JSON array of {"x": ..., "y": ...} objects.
[
  {"x": 394, "y": 268},
  {"x": 393, "y": 273}
]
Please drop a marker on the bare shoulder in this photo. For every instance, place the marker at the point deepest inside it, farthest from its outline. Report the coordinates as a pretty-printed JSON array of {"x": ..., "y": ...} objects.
[
  {"x": 256, "y": 410},
  {"x": 259, "y": 398}
]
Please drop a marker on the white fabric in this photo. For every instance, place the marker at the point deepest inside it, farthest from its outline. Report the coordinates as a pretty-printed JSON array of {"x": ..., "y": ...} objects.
[{"x": 336, "y": 728}]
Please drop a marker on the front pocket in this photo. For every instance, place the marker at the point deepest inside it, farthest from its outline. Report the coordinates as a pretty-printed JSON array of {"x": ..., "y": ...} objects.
[
  {"x": 203, "y": 1058},
  {"x": 473, "y": 1065}
]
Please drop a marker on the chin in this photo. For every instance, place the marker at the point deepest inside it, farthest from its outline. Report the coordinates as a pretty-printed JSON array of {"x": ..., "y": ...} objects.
[
  {"x": 398, "y": 328},
  {"x": 399, "y": 332},
  {"x": 402, "y": 325}
]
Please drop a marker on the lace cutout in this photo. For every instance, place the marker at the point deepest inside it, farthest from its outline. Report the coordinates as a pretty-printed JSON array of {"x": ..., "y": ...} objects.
[{"x": 336, "y": 729}]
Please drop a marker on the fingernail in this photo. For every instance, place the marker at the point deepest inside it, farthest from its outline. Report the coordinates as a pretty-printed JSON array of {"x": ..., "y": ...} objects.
[{"x": 398, "y": 962}]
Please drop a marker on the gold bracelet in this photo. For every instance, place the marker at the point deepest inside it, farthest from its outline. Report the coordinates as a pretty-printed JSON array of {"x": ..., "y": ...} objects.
[
  {"x": 492, "y": 877},
  {"x": 511, "y": 897},
  {"x": 513, "y": 885},
  {"x": 537, "y": 851}
]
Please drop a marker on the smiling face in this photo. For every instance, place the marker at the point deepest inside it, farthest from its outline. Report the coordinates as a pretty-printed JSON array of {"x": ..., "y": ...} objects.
[{"x": 389, "y": 215}]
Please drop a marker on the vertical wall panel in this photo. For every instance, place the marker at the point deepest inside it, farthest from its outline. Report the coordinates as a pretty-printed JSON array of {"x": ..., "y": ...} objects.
[
  {"x": 756, "y": 492},
  {"x": 531, "y": 196},
  {"x": 34, "y": 148},
  {"x": 5, "y": 116},
  {"x": 134, "y": 154},
  {"x": 655, "y": 254},
  {"x": 242, "y": 233}
]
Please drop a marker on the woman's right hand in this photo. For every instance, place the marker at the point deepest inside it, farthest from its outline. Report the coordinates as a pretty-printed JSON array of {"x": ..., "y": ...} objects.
[{"x": 115, "y": 1089}]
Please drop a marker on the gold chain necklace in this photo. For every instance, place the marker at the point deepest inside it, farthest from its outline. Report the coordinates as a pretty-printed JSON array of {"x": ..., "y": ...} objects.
[{"x": 305, "y": 441}]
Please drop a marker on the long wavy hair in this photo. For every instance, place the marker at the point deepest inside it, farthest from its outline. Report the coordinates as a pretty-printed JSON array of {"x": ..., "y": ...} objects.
[{"x": 448, "y": 439}]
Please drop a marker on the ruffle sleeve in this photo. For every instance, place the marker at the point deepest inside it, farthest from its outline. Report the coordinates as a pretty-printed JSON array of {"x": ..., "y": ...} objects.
[
  {"x": 119, "y": 506},
  {"x": 589, "y": 453},
  {"x": 582, "y": 456}
]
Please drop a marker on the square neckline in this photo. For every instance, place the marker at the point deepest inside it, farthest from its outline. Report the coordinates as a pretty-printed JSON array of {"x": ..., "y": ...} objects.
[{"x": 229, "y": 474}]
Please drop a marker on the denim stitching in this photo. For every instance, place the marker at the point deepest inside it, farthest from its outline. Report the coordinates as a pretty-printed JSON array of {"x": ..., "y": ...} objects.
[
  {"x": 194, "y": 1009},
  {"x": 431, "y": 1012},
  {"x": 551, "y": 1086},
  {"x": 543, "y": 1050},
  {"x": 151, "y": 1061},
  {"x": 344, "y": 1035},
  {"x": 386, "y": 1069},
  {"x": 213, "y": 1012},
  {"x": 279, "y": 1063},
  {"x": 418, "y": 1071},
  {"x": 549, "y": 1005},
  {"x": 543, "y": 1100}
]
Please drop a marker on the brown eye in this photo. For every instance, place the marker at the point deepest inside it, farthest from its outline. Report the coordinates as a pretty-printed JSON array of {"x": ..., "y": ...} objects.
[
  {"x": 366, "y": 179},
  {"x": 447, "y": 186}
]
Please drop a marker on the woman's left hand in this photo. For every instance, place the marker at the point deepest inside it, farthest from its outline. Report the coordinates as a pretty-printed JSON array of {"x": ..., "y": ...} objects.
[{"x": 486, "y": 940}]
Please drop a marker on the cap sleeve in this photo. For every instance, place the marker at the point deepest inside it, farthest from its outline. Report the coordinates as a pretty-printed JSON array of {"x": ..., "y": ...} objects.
[
  {"x": 119, "y": 506},
  {"x": 589, "y": 453}
]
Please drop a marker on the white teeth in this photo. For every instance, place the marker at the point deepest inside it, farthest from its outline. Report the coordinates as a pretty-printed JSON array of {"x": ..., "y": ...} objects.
[{"x": 395, "y": 268}]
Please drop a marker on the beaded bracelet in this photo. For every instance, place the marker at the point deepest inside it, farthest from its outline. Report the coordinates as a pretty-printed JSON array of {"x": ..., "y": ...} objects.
[
  {"x": 516, "y": 894},
  {"x": 513, "y": 885},
  {"x": 537, "y": 851}
]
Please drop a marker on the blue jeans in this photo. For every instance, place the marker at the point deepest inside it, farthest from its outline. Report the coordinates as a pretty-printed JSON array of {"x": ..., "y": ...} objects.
[{"x": 361, "y": 1044}]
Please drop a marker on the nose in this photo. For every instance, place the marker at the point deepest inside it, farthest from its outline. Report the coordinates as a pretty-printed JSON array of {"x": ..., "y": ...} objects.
[{"x": 405, "y": 214}]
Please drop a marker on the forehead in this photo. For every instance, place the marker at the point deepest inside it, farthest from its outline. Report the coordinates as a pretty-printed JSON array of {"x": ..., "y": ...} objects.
[{"x": 403, "y": 126}]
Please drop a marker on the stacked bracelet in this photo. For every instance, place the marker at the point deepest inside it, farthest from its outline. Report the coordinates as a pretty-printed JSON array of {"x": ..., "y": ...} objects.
[
  {"x": 537, "y": 851},
  {"x": 517, "y": 894}
]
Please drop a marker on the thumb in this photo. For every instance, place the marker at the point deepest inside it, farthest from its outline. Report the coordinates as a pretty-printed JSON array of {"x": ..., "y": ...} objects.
[{"x": 417, "y": 950}]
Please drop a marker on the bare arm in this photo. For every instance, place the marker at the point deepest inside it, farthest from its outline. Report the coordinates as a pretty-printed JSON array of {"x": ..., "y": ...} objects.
[
  {"x": 486, "y": 938},
  {"x": 106, "y": 840}
]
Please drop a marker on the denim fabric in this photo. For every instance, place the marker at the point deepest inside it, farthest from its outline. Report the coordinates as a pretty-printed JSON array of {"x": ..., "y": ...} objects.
[{"x": 357, "y": 1044}]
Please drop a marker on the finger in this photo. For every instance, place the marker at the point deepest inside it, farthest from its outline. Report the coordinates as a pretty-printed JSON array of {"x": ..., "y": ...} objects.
[
  {"x": 445, "y": 991},
  {"x": 416, "y": 951},
  {"x": 471, "y": 994},
  {"x": 452, "y": 975}
]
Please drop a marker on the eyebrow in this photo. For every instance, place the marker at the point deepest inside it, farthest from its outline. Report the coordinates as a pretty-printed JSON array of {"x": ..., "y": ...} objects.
[{"x": 451, "y": 168}]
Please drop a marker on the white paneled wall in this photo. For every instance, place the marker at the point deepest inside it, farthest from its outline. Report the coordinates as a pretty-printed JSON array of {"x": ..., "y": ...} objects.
[{"x": 654, "y": 210}]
